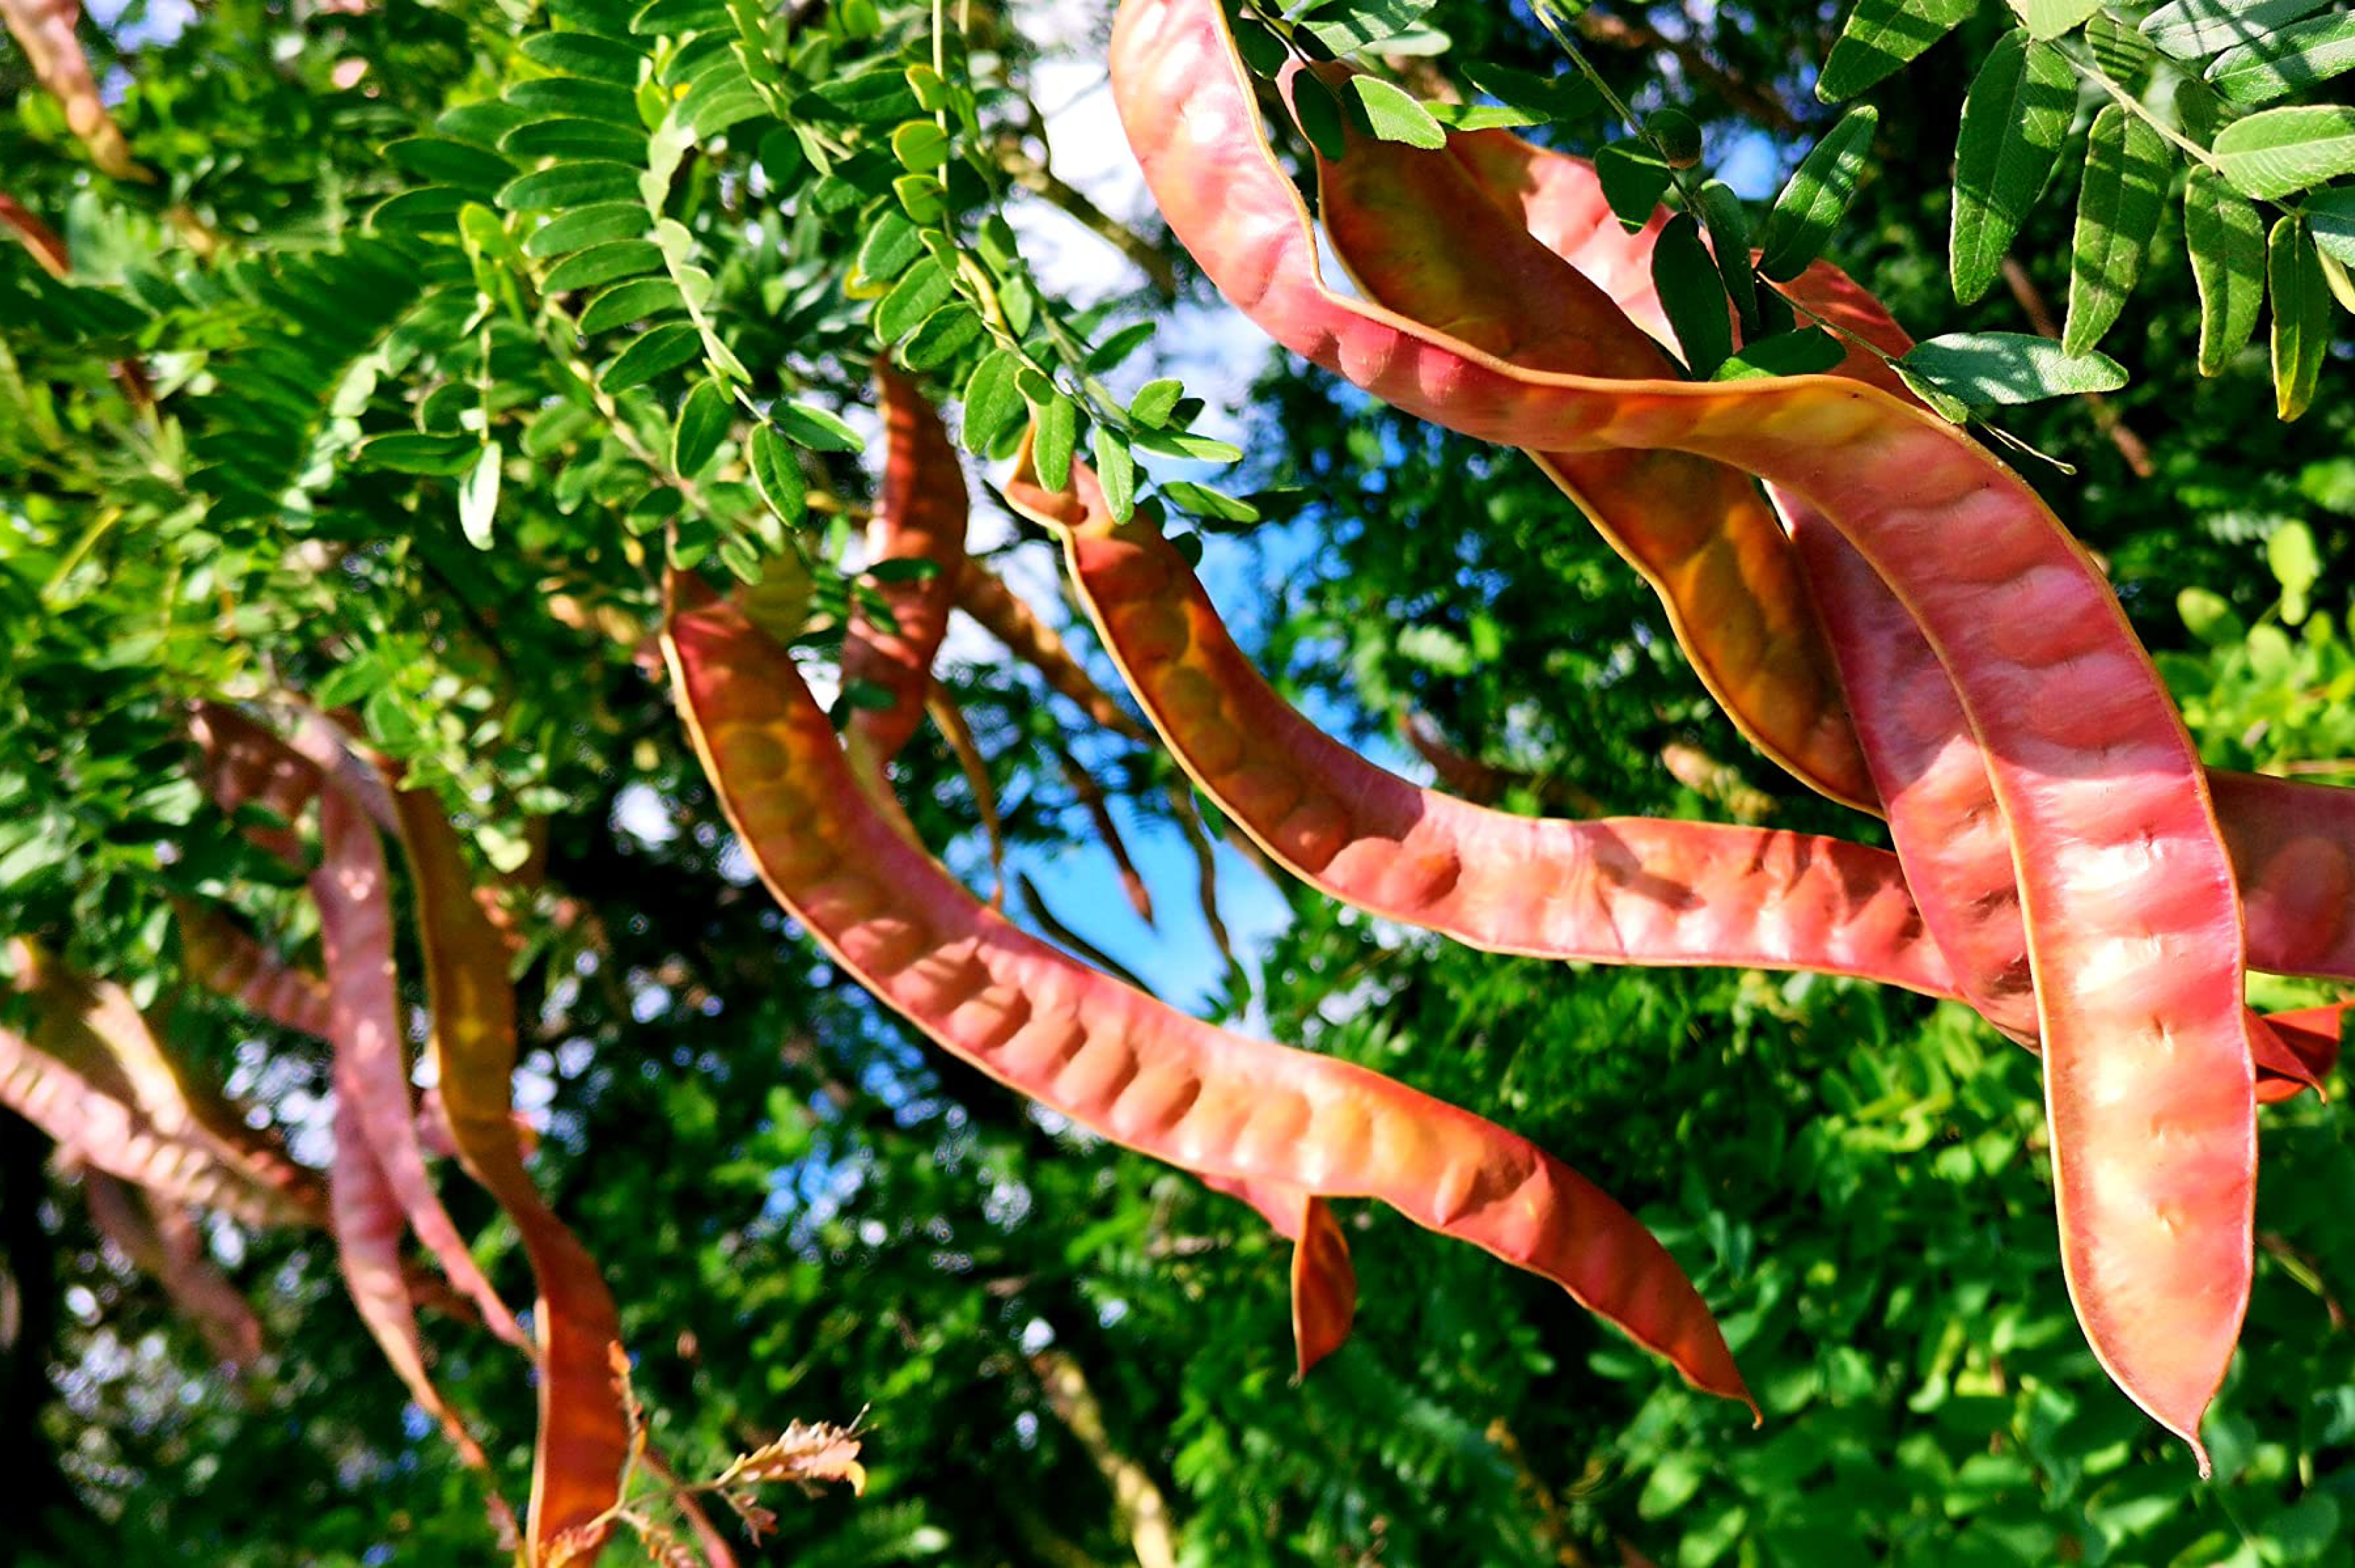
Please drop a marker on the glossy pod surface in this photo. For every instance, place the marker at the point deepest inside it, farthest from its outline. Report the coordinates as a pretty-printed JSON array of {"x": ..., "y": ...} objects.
[
  {"x": 2134, "y": 924},
  {"x": 1111, "y": 1058}
]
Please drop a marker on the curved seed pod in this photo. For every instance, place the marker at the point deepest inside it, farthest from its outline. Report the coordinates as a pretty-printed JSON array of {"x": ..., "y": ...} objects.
[
  {"x": 1697, "y": 531},
  {"x": 369, "y": 1221},
  {"x": 585, "y": 1437},
  {"x": 1612, "y": 890},
  {"x": 159, "y": 1239},
  {"x": 356, "y": 935},
  {"x": 45, "y": 30},
  {"x": 94, "y": 1077},
  {"x": 999, "y": 611},
  {"x": 1323, "y": 1280},
  {"x": 38, "y": 238},
  {"x": 2134, "y": 923},
  {"x": 222, "y": 956},
  {"x": 921, "y": 517},
  {"x": 2293, "y": 842},
  {"x": 245, "y": 764},
  {"x": 1111, "y": 1058}
]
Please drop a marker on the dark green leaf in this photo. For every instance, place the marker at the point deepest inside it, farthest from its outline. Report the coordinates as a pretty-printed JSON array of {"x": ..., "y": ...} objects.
[
  {"x": 586, "y": 56},
  {"x": 1481, "y": 116},
  {"x": 2227, "y": 242},
  {"x": 569, "y": 186},
  {"x": 602, "y": 264},
  {"x": 1184, "y": 444},
  {"x": 2118, "y": 210},
  {"x": 1817, "y": 195},
  {"x": 631, "y": 302},
  {"x": 891, "y": 243},
  {"x": 1882, "y": 35},
  {"x": 2281, "y": 151},
  {"x": 1320, "y": 116},
  {"x": 2014, "y": 117},
  {"x": 575, "y": 138},
  {"x": 564, "y": 95},
  {"x": 1263, "y": 51},
  {"x": 1208, "y": 500},
  {"x": 1115, "y": 349},
  {"x": 1990, "y": 367},
  {"x": 1810, "y": 350},
  {"x": 1693, "y": 295},
  {"x": 651, "y": 354},
  {"x": 412, "y": 453},
  {"x": 2301, "y": 310},
  {"x": 1727, "y": 223},
  {"x": 777, "y": 472},
  {"x": 2120, "y": 50},
  {"x": 584, "y": 227},
  {"x": 1634, "y": 178},
  {"x": 428, "y": 208},
  {"x": 444, "y": 162},
  {"x": 704, "y": 416},
  {"x": 676, "y": 16}
]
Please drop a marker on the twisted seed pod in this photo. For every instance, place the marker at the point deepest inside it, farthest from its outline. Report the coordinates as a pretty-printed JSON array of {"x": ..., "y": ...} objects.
[
  {"x": 354, "y": 902},
  {"x": 921, "y": 517},
  {"x": 222, "y": 956},
  {"x": 2133, "y": 924},
  {"x": 45, "y": 31},
  {"x": 1697, "y": 531},
  {"x": 1323, "y": 1280},
  {"x": 1612, "y": 890},
  {"x": 584, "y": 1439},
  {"x": 2293, "y": 842},
  {"x": 1114, "y": 1060}
]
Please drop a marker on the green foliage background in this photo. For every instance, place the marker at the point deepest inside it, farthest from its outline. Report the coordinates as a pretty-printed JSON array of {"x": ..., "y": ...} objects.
[{"x": 804, "y": 1214}]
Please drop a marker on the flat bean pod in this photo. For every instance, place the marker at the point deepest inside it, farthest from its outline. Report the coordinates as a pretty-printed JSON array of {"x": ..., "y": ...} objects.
[
  {"x": 1111, "y": 1058},
  {"x": 2134, "y": 923}
]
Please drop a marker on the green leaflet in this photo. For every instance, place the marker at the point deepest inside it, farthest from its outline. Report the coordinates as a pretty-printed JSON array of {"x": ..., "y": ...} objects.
[
  {"x": 1392, "y": 114},
  {"x": 704, "y": 416},
  {"x": 652, "y": 352},
  {"x": 1729, "y": 240},
  {"x": 1992, "y": 367},
  {"x": 1882, "y": 35},
  {"x": 570, "y": 96},
  {"x": 944, "y": 335},
  {"x": 1344, "y": 26},
  {"x": 2194, "y": 29},
  {"x": 631, "y": 302},
  {"x": 1809, "y": 351},
  {"x": 1817, "y": 195},
  {"x": 407, "y": 451},
  {"x": 2227, "y": 243},
  {"x": 443, "y": 162},
  {"x": 586, "y": 56},
  {"x": 1056, "y": 421},
  {"x": 2016, "y": 112},
  {"x": 1116, "y": 469},
  {"x": 1693, "y": 295},
  {"x": 588, "y": 226},
  {"x": 572, "y": 137},
  {"x": 2285, "y": 62},
  {"x": 2330, "y": 217},
  {"x": 2050, "y": 18},
  {"x": 569, "y": 186},
  {"x": 2280, "y": 151},
  {"x": 2126, "y": 173},
  {"x": 778, "y": 474},
  {"x": 2301, "y": 316},
  {"x": 602, "y": 264},
  {"x": 1634, "y": 178},
  {"x": 993, "y": 403},
  {"x": 922, "y": 290}
]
